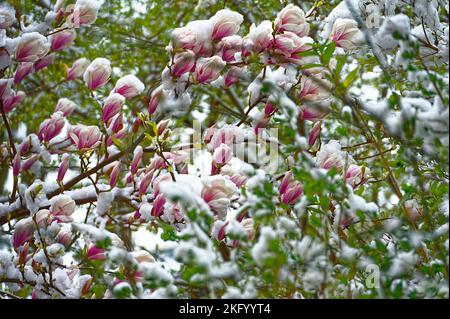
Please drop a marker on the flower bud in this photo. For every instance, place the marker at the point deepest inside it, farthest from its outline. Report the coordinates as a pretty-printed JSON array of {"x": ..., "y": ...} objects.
[
  {"x": 16, "y": 164},
  {"x": 65, "y": 106},
  {"x": 44, "y": 62},
  {"x": 158, "y": 206},
  {"x": 233, "y": 75},
  {"x": 85, "y": 12},
  {"x": 129, "y": 86},
  {"x": 12, "y": 100},
  {"x": 32, "y": 46},
  {"x": 61, "y": 40},
  {"x": 85, "y": 137},
  {"x": 314, "y": 134},
  {"x": 23, "y": 232},
  {"x": 23, "y": 71},
  {"x": 112, "y": 106},
  {"x": 292, "y": 19},
  {"x": 63, "y": 167},
  {"x": 208, "y": 69},
  {"x": 64, "y": 237},
  {"x": 145, "y": 182},
  {"x": 30, "y": 162},
  {"x": 7, "y": 17},
  {"x": 183, "y": 62},
  {"x": 356, "y": 175},
  {"x": 222, "y": 155},
  {"x": 78, "y": 68},
  {"x": 137, "y": 158},
  {"x": 95, "y": 253},
  {"x": 155, "y": 99},
  {"x": 229, "y": 46},
  {"x": 225, "y": 23},
  {"x": 292, "y": 193},
  {"x": 113, "y": 177},
  {"x": 162, "y": 126},
  {"x": 62, "y": 208},
  {"x": 50, "y": 128},
  {"x": 261, "y": 36},
  {"x": 97, "y": 73}
]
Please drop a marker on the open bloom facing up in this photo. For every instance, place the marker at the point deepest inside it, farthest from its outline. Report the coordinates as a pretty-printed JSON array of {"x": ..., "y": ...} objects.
[
  {"x": 31, "y": 47},
  {"x": 50, "y": 128},
  {"x": 97, "y": 73},
  {"x": 129, "y": 86},
  {"x": 226, "y": 23},
  {"x": 345, "y": 33},
  {"x": 208, "y": 69},
  {"x": 292, "y": 19},
  {"x": 62, "y": 39},
  {"x": 65, "y": 106},
  {"x": 78, "y": 68},
  {"x": 85, "y": 137}
]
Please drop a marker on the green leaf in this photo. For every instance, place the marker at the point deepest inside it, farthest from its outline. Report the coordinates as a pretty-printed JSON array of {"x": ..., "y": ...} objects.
[
  {"x": 351, "y": 77},
  {"x": 328, "y": 53}
]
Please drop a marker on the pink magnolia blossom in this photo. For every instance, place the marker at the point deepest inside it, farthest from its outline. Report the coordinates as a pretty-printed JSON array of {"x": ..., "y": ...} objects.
[
  {"x": 95, "y": 253},
  {"x": 23, "y": 232},
  {"x": 78, "y": 68},
  {"x": 44, "y": 62},
  {"x": 114, "y": 175},
  {"x": 27, "y": 164},
  {"x": 222, "y": 155},
  {"x": 195, "y": 36},
  {"x": 162, "y": 126},
  {"x": 31, "y": 47},
  {"x": 64, "y": 237},
  {"x": 65, "y": 106},
  {"x": 248, "y": 224},
  {"x": 312, "y": 113},
  {"x": 208, "y": 69},
  {"x": 344, "y": 33},
  {"x": 63, "y": 167},
  {"x": 12, "y": 100},
  {"x": 290, "y": 189},
  {"x": 233, "y": 75},
  {"x": 50, "y": 128},
  {"x": 158, "y": 206},
  {"x": 112, "y": 106},
  {"x": 314, "y": 134},
  {"x": 137, "y": 159},
  {"x": 116, "y": 124},
  {"x": 16, "y": 164},
  {"x": 5, "y": 87},
  {"x": 23, "y": 71},
  {"x": 62, "y": 208},
  {"x": 145, "y": 183},
  {"x": 7, "y": 17},
  {"x": 261, "y": 36},
  {"x": 61, "y": 40},
  {"x": 238, "y": 180},
  {"x": 97, "y": 73},
  {"x": 330, "y": 156},
  {"x": 291, "y": 18},
  {"x": 356, "y": 175},
  {"x": 183, "y": 62},
  {"x": 129, "y": 86},
  {"x": 229, "y": 46},
  {"x": 217, "y": 192},
  {"x": 156, "y": 98},
  {"x": 85, "y": 12},
  {"x": 85, "y": 137},
  {"x": 225, "y": 23}
]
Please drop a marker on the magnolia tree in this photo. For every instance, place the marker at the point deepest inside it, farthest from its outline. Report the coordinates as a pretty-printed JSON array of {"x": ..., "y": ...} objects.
[{"x": 229, "y": 149}]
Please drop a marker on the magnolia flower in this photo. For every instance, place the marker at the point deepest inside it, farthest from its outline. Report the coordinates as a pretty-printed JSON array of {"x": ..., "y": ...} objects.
[
  {"x": 229, "y": 46},
  {"x": 44, "y": 62},
  {"x": 78, "y": 68},
  {"x": 62, "y": 39},
  {"x": 145, "y": 182},
  {"x": 269, "y": 109},
  {"x": 226, "y": 23},
  {"x": 65, "y": 106},
  {"x": 248, "y": 224},
  {"x": 129, "y": 86},
  {"x": 85, "y": 137},
  {"x": 356, "y": 175},
  {"x": 344, "y": 33},
  {"x": 195, "y": 36},
  {"x": 208, "y": 69},
  {"x": 217, "y": 192},
  {"x": 7, "y": 16},
  {"x": 158, "y": 205},
  {"x": 5, "y": 87},
  {"x": 63, "y": 167},
  {"x": 311, "y": 113},
  {"x": 23, "y": 232},
  {"x": 23, "y": 71},
  {"x": 331, "y": 156},
  {"x": 292, "y": 19},
  {"x": 261, "y": 36},
  {"x": 95, "y": 253},
  {"x": 31, "y": 47},
  {"x": 313, "y": 89},
  {"x": 233, "y": 75},
  {"x": 85, "y": 12},
  {"x": 183, "y": 62},
  {"x": 162, "y": 126},
  {"x": 222, "y": 155},
  {"x": 156, "y": 98},
  {"x": 114, "y": 175},
  {"x": 314, "y": 134},
  {"x": 227, "y": 135},
  {"x": 112, "y": 106},
  {"x": 137, "y": 159},
  {"x": 413, "y": 209},
  {"x": 290, "y": 189},
  {"x": 30, "y": 162},
  {"x": 50, "y": 128},
  {"x": 16, "y": 164},
  {"x": 97, "y": 73},
  {"x": 62, "y": 208},
  {"x": 64, "y": 237},
  {"x": 238, "y": 180},
  {"x": 12, "y": 100}
]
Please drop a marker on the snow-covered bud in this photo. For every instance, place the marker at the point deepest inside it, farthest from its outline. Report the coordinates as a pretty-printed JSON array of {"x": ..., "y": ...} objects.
[
  {"x": 310, "y": 113},
  {"x": 184, "y": 38},
  {"x": 25, "y": 146},
  {"x": 85, "y": 137},
  {"x": 32, "y": 46},
  {"x": 238, "y": 180},
  {"x": 62, "y": 39},
  {"x": 162, "y": 126},
  {"x": 129, "y": 86},
  {"x": 269, "y": 109},
  {"x": 183, "y": 62},
  {"x": 87, "y": 285},
  {"x": 65, "y": 106},
  {"x": 156, "y": 97},
  {"x": 97, "y": 73},
  {"x": 226, "y": 23},
  {"x": 261, "y": 36},
  {"x": 233, "y": 75},
  {"x": 64, "y": 237},
  {"x": 356, "y": 175},
  {"x": 16, "y": 164},
  {"x": 42, "y": 218},
  {"x": 23, "y": 253},
  {"x": 113, "y": 177},
  {"x": 248, "y": 225},
  {"x": 137, "y": 159},
  {"x": 78, "y": 68},
  {"x": 62, "y": 208},
  {"x": 23, "y": 232},
  {"x": 12, "y": 100},
  {"x": 314, "y": 133},
  {"x": 44, "y": 62},
  {"x": 23, "y": 71},
  {"x": 344, "y": 33},
  {"x": 51, "y": 127},
  {"x": 222, "y": 155},
  {"x": 158, "y": 206},
  {"x": 217, "y": 193},
  {"x": 112, "y": 106},
  {"x": 330, "y": 156},
  {"x": 7, "y": 16},
  {"x": 287, "y": 43},
  {"x": 208, "y": 69},
  {"x": 229, "y": 46},
  {"x": 85, "y": 12},
  {"x": 292, "y": 193},
  {"x": 63, "y": 167},
  {"x": 292, "y": 19},
  {"x": 95, "y": 253}
]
